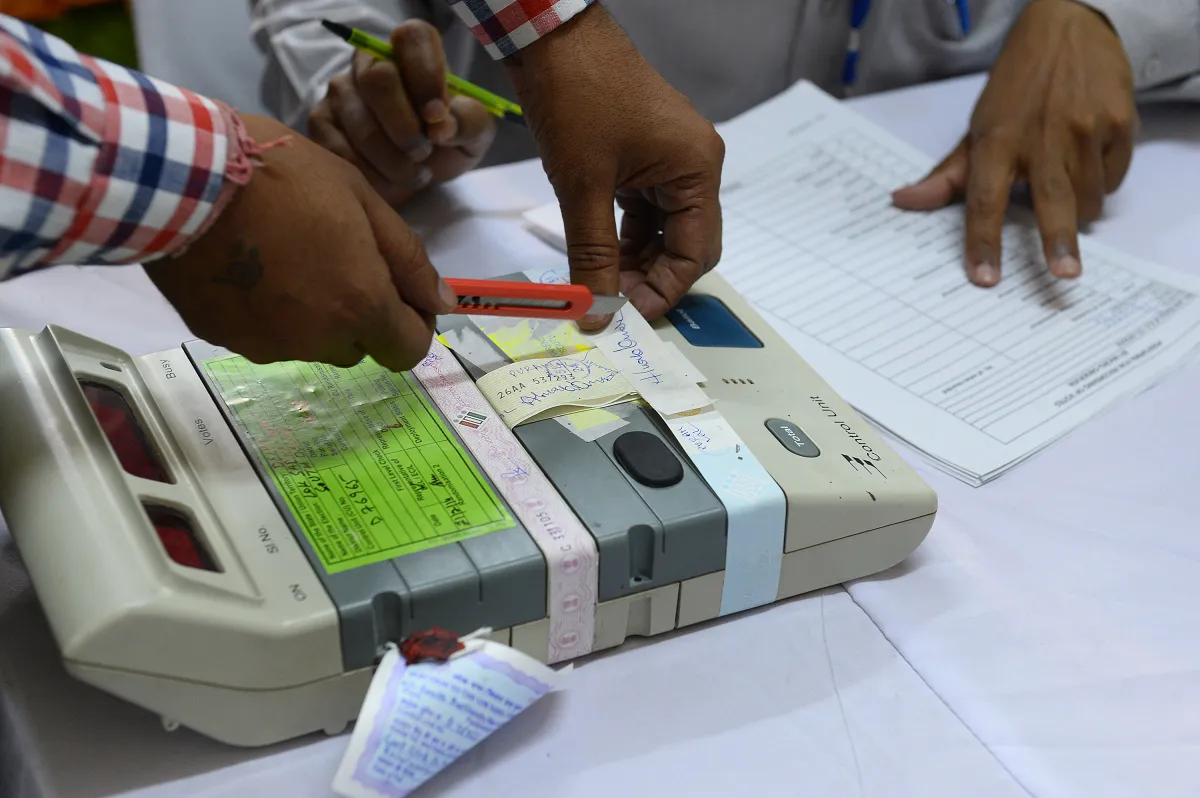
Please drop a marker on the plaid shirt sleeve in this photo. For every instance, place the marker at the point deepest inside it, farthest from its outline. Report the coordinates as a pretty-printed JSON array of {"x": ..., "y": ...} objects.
[
  {"x": 100, "y": 164},
  {"x": 505, "y": 26}
]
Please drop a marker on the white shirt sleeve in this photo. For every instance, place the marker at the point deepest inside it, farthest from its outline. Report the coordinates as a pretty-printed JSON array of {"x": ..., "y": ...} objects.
[
  {"x": 302, "y": 56},
  {"x": 1162, "y": 40}
]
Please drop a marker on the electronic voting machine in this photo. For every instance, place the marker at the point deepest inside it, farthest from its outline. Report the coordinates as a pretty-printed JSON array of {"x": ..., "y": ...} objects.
[{"x": 232, "y": 546}]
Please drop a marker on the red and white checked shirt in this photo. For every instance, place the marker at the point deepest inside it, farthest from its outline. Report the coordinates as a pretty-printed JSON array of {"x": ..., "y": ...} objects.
[
  {"x": 101, "y": 164},
  {"x": 505, "y": 26}
]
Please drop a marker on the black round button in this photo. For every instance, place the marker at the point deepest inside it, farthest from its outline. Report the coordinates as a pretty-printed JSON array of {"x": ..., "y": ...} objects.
[{"x": 648, "y": 459}]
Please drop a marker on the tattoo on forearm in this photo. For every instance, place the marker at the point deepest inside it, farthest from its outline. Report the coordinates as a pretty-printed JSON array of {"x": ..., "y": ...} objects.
[{"x": 244, "y": 269}]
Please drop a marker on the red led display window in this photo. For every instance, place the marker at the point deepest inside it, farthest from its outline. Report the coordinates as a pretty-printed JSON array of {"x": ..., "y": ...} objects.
[
  {"x": 134, "y": 450},
  {"x": 178, "y": 538}
]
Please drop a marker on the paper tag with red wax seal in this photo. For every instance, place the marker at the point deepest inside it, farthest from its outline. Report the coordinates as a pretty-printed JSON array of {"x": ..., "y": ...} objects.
[{"x": 432, "y": 699}]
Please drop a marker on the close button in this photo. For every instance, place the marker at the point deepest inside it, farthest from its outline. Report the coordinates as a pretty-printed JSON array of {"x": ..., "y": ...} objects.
[{"x": 648, "y": 460}]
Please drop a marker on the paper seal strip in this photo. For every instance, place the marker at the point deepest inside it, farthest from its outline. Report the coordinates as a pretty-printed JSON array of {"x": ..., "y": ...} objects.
[
  {"x": 532, "y": 389},
  {"x": 754, "y": 504},
  {"x": 570, "y": 551}
]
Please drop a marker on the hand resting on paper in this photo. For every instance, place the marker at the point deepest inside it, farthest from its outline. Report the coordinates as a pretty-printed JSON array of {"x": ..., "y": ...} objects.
[
  {"x": 1058, "y": 112},
  {"x": 374, "y": 115},
  {"x": 606, "y": 124},
  {"x": 307, "y": 263}
]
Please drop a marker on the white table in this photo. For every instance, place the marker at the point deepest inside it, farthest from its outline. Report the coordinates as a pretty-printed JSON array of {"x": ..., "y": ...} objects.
[{"x": 1042, "y": 642}]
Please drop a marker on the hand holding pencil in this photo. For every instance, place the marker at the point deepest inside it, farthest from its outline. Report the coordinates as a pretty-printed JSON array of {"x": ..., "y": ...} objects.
[{"x": 397, "y": 120}]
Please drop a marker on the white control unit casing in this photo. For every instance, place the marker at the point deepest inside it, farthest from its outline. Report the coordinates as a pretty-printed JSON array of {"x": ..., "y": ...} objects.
[{"x": 250, "y": 654}]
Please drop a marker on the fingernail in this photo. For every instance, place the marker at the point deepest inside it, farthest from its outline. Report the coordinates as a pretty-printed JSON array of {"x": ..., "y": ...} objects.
[
  {"x": 986, "y": 275},
  {"x": 421, "y": 152},
  {"x": 434, "y": 111},
  {"x": 594, "y": 322},
  {"x": 1067, "y": 267},
  {"x": 423, "y": 177},
  {"x": 449, "y": 295}
]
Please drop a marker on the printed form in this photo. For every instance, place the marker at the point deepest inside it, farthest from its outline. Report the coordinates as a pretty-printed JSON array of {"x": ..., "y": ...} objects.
[{"x": 876, "y": 299}]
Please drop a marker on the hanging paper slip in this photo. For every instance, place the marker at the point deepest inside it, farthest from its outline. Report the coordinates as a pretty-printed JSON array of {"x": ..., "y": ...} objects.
[
  {"x": 651, "y": 369},
  {"x": 417, "y": 719},
  {"x": 540, "y": 387}
]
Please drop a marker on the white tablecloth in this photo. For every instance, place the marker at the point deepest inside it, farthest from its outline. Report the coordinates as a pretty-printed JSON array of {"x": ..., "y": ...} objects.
[{"x": 1042, "y": 642}]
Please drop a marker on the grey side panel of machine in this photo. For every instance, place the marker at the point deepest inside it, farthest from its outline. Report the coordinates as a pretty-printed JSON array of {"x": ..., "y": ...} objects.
[{"x": 647, "y": 537}]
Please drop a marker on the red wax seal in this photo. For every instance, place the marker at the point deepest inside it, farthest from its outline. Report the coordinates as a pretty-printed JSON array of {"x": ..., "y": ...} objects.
[{"x": 434, "y": 644}]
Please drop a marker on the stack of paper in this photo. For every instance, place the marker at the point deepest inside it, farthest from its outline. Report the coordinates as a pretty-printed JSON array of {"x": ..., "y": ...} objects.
[{"x": 876, "y": 299}]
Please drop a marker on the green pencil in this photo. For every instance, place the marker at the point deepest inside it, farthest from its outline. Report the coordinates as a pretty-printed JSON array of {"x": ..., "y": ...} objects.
[{"x": 494, "y": 103}]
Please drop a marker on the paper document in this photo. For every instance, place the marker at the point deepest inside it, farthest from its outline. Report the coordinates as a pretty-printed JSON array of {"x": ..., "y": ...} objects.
[
  {"x": 652, "y": 370},
  {"x": 418, "y": 719},
  {"x": 538, "y": 387},
  {"x": 366, "y": 464},
  {"x": 876, "y": 299}
]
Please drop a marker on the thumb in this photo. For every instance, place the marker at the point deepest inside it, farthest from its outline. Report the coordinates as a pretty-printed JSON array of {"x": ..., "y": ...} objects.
[
  {"x": 945, "y": 184},
  {"x": 413, "y": 274},
  {"x": 593, "y": 251}
]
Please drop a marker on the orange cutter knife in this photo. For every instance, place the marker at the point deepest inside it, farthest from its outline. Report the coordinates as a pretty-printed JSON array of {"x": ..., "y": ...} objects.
[{"x": 531, "y": 300}]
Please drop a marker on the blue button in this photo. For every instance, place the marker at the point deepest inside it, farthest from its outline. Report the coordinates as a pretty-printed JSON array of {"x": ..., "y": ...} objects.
[{"x": 706, "y": 321}]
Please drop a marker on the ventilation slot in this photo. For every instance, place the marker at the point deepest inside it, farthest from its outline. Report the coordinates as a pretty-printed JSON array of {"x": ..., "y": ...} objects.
[
  {"x": 736, "y": 381},
  {"x": 641, "y": 554},
  {"x": 129, "y": 441}
]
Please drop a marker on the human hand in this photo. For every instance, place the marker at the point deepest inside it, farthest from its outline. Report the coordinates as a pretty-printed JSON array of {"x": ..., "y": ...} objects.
[
  {"x": 307, "y": 263},
  {"x": 607, "y": 125},
  {"x": 373, "y": 117},
  {"x": 1058, "y": 112}
]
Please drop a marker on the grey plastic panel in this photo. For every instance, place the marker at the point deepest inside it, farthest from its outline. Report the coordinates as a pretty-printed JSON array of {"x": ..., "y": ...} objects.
[
  {"x": 512, "y": 577},
  {"x": 693, "y": 517},
  {"x": 647, "y": 537},
  {"x": 496, "y": 580},
  {"x": 602, "y": 499}
]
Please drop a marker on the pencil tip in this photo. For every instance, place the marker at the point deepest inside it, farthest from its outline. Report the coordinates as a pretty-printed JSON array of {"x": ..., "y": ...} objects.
[{"x": 337, "y": 29}]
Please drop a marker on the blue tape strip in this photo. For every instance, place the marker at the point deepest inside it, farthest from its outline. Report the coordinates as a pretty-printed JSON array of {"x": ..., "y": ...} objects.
[{"x": 757, "y": 512}]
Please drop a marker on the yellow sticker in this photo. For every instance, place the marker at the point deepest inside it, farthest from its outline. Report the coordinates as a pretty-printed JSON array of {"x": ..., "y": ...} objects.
[
  {"x": 592, "y": 417},
  {"x": 522, "y": 339}
]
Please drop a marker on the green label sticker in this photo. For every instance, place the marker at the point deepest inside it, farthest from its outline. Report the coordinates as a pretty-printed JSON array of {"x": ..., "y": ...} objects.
[{"x": 365, "y": 463}]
